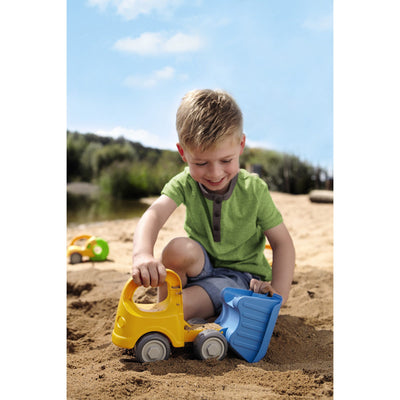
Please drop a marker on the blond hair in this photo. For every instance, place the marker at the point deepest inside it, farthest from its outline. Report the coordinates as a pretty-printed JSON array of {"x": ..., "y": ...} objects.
[{"x": 205, "y": 117}]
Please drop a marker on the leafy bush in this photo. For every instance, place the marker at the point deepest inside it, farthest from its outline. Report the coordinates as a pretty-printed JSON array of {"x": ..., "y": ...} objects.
[
  {"x": 107, "y": 155},
  {"x": 283, "y": 172},
  {"x": 126, "y": 180},
  {"x": 128, "y": 170},
  {"x": 76, "y": 145}
]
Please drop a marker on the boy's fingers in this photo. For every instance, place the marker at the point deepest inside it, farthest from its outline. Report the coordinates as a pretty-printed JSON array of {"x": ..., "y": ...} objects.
[
  {"x": 162, "y": 274},
  {"x": 141, "y": 276},
  {"x": 267, "y": 289},
  {"x": 136, "y": 276},
  {"x": 261, "y": 287},
  {"x": 152, "y": 274},
  {"x": 255, "y": 285}
]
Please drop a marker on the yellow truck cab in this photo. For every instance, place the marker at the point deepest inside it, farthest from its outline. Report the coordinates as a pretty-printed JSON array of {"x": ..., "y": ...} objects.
[{"x": 150, "y": 329}]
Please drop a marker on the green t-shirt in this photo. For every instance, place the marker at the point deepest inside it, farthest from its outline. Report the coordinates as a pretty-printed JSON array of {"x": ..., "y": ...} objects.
[{"x": 231, "y": 226}]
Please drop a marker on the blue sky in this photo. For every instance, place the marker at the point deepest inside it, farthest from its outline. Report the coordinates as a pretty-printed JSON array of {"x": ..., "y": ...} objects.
[{"x": 129, "y": 62}]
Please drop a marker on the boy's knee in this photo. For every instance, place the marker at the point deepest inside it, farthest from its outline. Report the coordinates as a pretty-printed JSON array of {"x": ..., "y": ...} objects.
[{"x": 180, "y": 252}]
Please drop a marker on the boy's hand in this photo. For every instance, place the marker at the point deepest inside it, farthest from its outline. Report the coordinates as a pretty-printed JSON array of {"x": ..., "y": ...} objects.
[
  {"x": 262, "y": 287},
  {"x": 148, "y": 271}
]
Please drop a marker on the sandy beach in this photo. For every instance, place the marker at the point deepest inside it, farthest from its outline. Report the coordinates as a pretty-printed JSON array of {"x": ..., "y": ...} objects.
[{"x": 299, "y": 360}]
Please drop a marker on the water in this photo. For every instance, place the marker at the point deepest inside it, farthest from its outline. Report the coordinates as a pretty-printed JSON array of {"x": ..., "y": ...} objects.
[{"x": 83, "y": 209}]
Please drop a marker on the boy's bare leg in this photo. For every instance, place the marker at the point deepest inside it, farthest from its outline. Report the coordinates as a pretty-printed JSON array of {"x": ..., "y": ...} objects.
[
  {"x": 186, "y": 258},
  {"x": 197, "y": 303}
]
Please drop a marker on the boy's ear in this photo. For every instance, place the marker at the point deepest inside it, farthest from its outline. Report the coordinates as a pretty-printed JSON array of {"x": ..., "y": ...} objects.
[
  {"x": 242, "y": 143},
  {"x": 181, "y": 152}
]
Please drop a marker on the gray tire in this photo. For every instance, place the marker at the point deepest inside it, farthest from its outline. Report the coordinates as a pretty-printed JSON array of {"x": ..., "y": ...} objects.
[
  {"x": 210, "y": 344},
  {"x": 75, "y": 258},
  {"x": 152, "y": 347}
]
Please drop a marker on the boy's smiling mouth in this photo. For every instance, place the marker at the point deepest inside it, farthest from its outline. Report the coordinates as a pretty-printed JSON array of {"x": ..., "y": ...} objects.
[{"x": 215, "y": 183}]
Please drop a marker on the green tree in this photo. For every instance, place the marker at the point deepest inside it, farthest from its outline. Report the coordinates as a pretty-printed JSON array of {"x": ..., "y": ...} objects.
[
  {"x": 104, "y": 156},
  {"x": 76, "y": 145}
]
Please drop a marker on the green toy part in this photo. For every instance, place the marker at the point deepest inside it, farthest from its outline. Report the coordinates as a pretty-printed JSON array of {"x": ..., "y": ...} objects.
[{"x": 99, "y": 248}]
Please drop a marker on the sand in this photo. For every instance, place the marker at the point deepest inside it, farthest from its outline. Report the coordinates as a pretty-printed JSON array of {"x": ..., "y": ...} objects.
[{"x": 299, "y": 360}]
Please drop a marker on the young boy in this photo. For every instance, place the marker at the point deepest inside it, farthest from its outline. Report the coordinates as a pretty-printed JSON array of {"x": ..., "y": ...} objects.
[{"x": 229, "y": 212}]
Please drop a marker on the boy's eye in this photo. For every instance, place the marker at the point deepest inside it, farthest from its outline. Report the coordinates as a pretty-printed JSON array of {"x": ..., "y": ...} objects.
[
  {"x": 201, "y": 164},
  {"x": 226, "y": 161}
]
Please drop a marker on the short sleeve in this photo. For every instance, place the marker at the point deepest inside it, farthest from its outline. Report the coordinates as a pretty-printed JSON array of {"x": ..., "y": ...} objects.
[{"x": 174, "y": 189}]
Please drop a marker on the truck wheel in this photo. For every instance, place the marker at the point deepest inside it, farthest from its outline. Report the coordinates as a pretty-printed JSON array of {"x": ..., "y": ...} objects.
[
  {"x": 210, "y": 344},
  {"x": 75, "y": 258},
  {"x": 152, "y": 347},
  {"x": 100, "y": 250}
]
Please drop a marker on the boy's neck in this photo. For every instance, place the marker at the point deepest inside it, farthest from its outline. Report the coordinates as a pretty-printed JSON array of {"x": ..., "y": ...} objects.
[{"x": 214, "y": 195}]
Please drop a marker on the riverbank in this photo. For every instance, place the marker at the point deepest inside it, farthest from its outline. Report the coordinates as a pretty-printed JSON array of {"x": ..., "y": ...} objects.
[{"x": 299, "y": 361}]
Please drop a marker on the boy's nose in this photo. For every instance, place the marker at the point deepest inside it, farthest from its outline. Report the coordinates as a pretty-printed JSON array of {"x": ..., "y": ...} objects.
[{"x": 214, "y": 171}]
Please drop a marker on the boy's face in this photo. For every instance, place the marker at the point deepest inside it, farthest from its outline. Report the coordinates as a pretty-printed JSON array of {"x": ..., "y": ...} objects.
[{"x": 214, "y": 168}]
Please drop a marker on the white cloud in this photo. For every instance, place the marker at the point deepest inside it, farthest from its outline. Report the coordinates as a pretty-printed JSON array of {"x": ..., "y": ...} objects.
[
  {"x": 165, "y": 73},
  {"x": 320, "y": 24},
  {"x": 130, "y": 9},
  {"x": 150, "y": 80},
  {"x": 181, "y": 43},
  {"x": 261, "y": 144},
  {"x": 146, "y": 43},
  {"x": 102, "y": 4},
  {"x": 152, "y": 43},
  {"x": 140, "y": 135}
]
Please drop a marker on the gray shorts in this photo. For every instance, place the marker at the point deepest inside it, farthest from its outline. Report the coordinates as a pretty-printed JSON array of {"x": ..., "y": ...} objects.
[{"x": 213, "y": 280}]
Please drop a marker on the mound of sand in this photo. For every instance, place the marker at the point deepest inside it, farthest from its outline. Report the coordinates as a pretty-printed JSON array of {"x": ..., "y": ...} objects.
[{"x": 299, "y": 360}]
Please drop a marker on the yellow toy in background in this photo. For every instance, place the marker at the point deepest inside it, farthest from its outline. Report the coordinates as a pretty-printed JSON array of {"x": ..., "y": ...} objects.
[
  {"x": 87, "y": 246},
  {"x": 269, "y": 248},
  {"x": 150, "y": 329}
]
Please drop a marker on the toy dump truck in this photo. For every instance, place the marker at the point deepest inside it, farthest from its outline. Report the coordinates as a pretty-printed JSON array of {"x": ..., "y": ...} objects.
[
  {"x": 95, "y": 248},
  {"x": 246, "y": 323},
  {"x": 151, "y": 329}
]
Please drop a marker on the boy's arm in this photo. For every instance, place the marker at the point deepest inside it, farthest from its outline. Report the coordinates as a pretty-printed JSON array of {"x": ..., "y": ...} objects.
[
  {"x": 282, "y": 263},
  {"x": 147, "y": 270}
]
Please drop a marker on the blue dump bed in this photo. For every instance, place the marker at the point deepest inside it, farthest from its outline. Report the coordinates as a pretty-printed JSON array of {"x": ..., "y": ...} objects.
[{"x": 248, "y": 320}]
